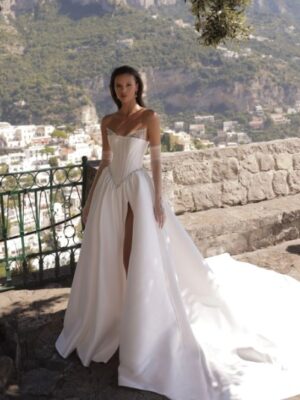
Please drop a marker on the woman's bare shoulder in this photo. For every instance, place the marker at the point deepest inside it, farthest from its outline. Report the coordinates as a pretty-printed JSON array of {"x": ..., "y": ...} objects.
[
  {"x": 149, "y": 116},
  {"x": 107, "y": 119},
  {"x": 149, "y": 112}
]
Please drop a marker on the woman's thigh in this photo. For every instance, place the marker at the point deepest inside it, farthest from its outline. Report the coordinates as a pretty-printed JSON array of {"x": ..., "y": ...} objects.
[{"x": 128, "y": 236}]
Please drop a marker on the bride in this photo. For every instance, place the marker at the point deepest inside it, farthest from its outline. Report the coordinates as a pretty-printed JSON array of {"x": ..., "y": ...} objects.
[{"x": 187, "y": 327}]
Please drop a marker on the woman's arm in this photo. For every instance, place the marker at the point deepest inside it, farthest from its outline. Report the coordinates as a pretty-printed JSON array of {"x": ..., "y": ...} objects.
[
  {"x": 105, "y": 161},
  {"x": 153, "y": 130}
]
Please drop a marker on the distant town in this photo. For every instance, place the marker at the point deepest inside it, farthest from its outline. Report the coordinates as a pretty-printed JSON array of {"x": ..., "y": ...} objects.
[
  {"x": 33, "y": 147},
  {"x": 39, "y": 147}
]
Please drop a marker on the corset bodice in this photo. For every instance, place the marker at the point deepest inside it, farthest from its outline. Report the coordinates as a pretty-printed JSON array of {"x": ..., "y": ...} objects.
[{"x": 128, "y": 153}]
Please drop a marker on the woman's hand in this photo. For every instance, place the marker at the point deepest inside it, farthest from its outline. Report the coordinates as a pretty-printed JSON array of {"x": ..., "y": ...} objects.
[
  {"x": 85, "y": 213},
  {"x": 159, "y": 212}
]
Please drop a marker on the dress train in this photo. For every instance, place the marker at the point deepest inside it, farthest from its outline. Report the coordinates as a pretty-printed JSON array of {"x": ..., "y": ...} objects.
[{"x": 187, "y": 327}]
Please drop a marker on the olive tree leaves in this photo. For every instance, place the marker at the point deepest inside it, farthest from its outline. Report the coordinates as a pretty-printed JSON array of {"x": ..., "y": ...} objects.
[{"x": 220, "y": 20}]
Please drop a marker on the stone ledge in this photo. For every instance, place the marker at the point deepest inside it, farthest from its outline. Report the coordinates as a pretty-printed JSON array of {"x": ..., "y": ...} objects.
[
  {"x": 283, "y": 258},
  {"x": 213, "y": 178},
  {"x": 244, "y": 228},
  {"x": 206, "y": 179}
]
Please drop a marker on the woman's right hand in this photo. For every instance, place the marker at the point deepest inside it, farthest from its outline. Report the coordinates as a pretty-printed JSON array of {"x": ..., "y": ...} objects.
[
  {"x": 159, "y": 212},
  {"x": 85, "y": 213}
]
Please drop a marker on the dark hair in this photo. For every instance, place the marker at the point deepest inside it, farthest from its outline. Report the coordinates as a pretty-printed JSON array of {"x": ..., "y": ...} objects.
[{"x": 125, "y": 69}]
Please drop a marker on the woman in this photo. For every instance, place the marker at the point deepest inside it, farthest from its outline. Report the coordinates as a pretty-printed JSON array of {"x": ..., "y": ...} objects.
[
  {"x": 188, "y": 328},
  {"x": 126, "y": 89}
]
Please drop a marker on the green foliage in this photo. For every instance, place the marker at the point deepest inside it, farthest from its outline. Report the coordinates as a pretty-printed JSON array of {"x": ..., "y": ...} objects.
[
  {"x": 10, "y": 184},
  {"x": 48, "y": 150},
  {"x": 26, "y": 181},
  {"x": 4, "y": 168},
  {"x": 2, "y": 270},
  {"x": 7, "y": 226},
  {"x": 74, "y": 173},
  {"x": 57, "y": 133},
  {"x": 59, "y": 176},
  {"x": 167, "y": 145},
  {"x": 79, "y": 231},
  {"x": 165, "y": 142},
  {"x": 198, "y": 145},
  {"x": 62, "y": 59},
  {"x": 69, "y": 129},
  {"x": 19, "y": 268},
  {"x": 48, "y": 240},
  {"x": 220, "y": 20},
  {"x": 65, "y": 63},
  {"x": 178, "y": 147},
  {"x": 272, "y": 131},
  {"x": 53, "y": 162}
]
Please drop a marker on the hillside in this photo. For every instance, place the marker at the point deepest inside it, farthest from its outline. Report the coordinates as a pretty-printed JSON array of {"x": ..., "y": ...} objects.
[
  {"x": 290, "y": 8},
  {"x": 56, "y": 57}
]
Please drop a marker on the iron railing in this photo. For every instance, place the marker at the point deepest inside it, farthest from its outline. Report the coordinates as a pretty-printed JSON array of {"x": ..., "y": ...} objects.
[{"x": 40, "y": 217}]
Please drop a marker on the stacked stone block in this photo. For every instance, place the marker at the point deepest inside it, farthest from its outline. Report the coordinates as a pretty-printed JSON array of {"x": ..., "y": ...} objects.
[{"x": 215, "y": 178}]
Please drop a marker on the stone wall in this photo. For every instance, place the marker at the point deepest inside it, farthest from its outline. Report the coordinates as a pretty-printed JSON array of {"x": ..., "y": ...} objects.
[
  {"x": 236, "y": 199},
  {"x": 215, "y": 178}
]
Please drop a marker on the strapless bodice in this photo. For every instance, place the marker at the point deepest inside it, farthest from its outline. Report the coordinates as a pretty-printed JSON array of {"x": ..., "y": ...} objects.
[{"x": 128, "y": 153}]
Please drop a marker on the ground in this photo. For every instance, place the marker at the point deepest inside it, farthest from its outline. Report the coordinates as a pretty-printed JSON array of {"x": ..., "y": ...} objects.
[{"x": 37, "y": 317}]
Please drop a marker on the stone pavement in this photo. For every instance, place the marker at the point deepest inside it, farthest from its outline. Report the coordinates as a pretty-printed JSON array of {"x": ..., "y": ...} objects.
[
  {"x": 283, "y": 258},
  {"x": 244, "y": 228},
  {"x": 34, "y": 319},
  {"x": 37, "y": 315}
]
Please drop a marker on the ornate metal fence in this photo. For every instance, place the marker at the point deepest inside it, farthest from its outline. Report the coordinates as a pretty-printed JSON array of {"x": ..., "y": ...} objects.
[{"x": 40, "y": 218}]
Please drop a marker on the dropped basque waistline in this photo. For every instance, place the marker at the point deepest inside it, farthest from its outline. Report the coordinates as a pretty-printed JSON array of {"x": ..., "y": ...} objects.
[{"x": 127, "y": 176}]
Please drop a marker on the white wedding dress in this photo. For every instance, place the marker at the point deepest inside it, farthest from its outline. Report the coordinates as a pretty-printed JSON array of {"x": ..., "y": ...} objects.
[{"x": 187, "y": 327}]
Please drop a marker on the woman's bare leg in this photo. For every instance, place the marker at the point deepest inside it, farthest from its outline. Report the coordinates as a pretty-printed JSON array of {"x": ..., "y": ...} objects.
[{"x": 128, "y": 237}]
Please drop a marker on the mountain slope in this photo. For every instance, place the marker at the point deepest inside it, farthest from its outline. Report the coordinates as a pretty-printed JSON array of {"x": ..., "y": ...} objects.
[
  {"x": 58, "y": 58},
  {"x": 291, "y": 8}
]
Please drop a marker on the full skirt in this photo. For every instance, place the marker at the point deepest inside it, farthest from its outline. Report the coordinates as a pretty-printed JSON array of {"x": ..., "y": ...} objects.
[{"x": 186, "y": 327}]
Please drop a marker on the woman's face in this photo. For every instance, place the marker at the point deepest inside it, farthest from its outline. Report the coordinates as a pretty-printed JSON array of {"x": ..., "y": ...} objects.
[{"x": 125, "y": 87}]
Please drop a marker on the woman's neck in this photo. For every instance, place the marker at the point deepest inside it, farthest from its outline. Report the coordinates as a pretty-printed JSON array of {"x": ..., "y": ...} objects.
[{"x": 128, "y": 109}]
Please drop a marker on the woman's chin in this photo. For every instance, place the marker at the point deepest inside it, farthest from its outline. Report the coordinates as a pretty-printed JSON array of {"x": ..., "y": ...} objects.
[{"x": 126, "y": 100}]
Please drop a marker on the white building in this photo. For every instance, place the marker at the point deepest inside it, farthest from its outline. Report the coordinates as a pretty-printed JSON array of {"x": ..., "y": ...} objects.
[
  {"x": 75, "y": 157},
  {"x": 279, "y": 119},
  {"x": 5, "y": 159},
  {"x": 291, "y": 111},
  {"x": 6, "y": 133},
  {"x": 25, "y": 133},
  {"x": 197, "y": 129},
  {"x": 96, "y": 152},
  {"x": 204, "y": 118},
  {"x": 259, "y": 110},
  {"x": 93, "y": 130},
  {"x": 229, "y": 125},
  {"x": 178, "y": 126},
  {"x": 16, "y": 161},
  {"x": 182, "y": 24},
  {"x": 228, "y": 53},
  {"x": 78, "y": 138}
]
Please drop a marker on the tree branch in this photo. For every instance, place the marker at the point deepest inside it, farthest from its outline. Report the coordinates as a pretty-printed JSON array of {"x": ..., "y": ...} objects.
[{"x": 220, "y": 20}]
